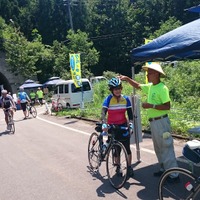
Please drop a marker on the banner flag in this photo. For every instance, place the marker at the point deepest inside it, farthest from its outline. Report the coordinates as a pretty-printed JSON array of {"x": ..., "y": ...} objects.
[{"x": 75, "y": 68}]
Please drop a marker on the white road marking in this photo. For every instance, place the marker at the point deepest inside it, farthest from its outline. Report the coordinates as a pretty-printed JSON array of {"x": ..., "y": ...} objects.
[
  {"x": 85, "y": 133},
  {"x": 71, "y": 129}
]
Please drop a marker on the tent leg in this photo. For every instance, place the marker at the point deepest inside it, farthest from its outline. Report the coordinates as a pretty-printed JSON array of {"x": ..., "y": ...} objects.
[{"x": 134, "y": 109}]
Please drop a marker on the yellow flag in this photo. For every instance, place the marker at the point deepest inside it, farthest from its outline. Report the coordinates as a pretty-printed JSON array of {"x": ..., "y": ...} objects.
[{"x": 75, "y": 68}]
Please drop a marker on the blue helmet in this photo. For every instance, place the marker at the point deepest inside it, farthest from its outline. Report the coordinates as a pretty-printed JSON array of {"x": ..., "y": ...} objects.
[{"x": 114, "y": 82}]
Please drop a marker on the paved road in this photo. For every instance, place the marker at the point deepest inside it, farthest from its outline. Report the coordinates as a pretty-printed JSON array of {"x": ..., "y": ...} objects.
[{"x": 46, "y": 159}]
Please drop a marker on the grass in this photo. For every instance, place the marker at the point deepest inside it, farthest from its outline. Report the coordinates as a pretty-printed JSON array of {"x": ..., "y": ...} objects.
[{"x": 181, "y": 119}]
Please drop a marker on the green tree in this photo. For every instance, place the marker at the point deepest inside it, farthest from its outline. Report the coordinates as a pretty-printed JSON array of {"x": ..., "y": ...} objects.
[{"x": 21, "y": 55}]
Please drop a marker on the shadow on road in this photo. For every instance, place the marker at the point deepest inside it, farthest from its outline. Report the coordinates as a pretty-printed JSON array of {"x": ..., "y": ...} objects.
[{"x": 5, "y": 133}]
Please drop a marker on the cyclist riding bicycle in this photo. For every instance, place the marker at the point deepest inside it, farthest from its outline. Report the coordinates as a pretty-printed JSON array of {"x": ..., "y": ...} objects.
[
  {"x": 116, "y": 105},
  {"x": 24, "y": 99},
  {"x": 7, "y": 103}
]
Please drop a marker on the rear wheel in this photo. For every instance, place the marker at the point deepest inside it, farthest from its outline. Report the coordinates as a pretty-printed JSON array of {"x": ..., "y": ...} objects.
[
  {"x": 94, "y": 151},
  {"x": 117, "y": 165},
  {"x": 33, "y": 111},
  {"x": 60, "y": 107},
  {"x": 179, "y": 189}
]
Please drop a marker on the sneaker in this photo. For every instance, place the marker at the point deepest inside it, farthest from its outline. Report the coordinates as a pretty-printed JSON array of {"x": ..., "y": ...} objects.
[
  {"x": 118, "y": 171},
  {"x": 158, "y": 174},
  {"x": 130, "y": 171},
  {"x": 25, "y": 118},
  {"x": 173, "y": 180}
]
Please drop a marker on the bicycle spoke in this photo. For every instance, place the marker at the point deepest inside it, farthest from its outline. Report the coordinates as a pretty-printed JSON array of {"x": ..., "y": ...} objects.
[
  {"x": 179, "y": 189},
  {"x": 117, "y": 165},
  {"x": 94, "y": 152}
]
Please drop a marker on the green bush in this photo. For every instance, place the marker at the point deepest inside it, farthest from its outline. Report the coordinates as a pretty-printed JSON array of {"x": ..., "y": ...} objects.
[{"x": 183, "y": 83}]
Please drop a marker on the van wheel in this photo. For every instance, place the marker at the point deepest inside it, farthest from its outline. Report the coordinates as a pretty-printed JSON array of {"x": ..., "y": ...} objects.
[{"x": 68, "y": 106}]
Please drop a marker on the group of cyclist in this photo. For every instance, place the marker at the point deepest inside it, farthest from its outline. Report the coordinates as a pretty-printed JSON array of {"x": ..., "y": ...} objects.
[{"x": 7, "y": 103}]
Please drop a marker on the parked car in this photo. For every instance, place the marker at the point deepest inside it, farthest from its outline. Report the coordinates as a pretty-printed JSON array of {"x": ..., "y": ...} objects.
[{"x": 97, "y": 79}]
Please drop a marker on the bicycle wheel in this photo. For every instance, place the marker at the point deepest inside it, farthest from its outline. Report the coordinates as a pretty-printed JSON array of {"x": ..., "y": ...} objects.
[
  {"x": 187, "y": 186},
  {"x": 27, "y": 111},
  {"x": 33, "y": 111},
  {"x": 117, "y": 165},
  {"x": 60, "y": 107},
  {"x": 11, "y": 125},
  {"x": 94, "y": 151}
]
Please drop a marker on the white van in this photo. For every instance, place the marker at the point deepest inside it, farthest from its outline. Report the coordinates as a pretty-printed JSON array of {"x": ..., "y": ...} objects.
[{"x": 71, "y": 97}]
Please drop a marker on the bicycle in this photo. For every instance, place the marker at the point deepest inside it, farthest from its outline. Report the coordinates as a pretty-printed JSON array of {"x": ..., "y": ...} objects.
[
  {"x": 115, "y": 155},
  {"x": 11, "y": 124},
  {"x": 187, "y": 185},
  {"x": 56, "y": 106},
  {"x": 31, "y": 110}
]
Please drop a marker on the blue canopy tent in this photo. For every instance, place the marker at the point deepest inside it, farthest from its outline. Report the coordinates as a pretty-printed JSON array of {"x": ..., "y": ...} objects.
[
  {"x": 194, "y": 9},
  {"x": 28, "y": 84},
  {"x": 178, "y": 44}
]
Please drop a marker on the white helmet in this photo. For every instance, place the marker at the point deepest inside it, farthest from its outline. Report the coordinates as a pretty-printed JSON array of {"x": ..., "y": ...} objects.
[
  {"x": 4, "y": 91},
  {"x": 21, "y": 89}
]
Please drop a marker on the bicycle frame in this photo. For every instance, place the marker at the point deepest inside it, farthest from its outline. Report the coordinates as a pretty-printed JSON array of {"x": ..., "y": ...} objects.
[{"x": 111, "y": 136}]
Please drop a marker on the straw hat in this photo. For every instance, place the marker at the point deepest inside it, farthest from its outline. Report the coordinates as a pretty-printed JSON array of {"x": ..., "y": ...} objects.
[{"x": 156, "y": 67}]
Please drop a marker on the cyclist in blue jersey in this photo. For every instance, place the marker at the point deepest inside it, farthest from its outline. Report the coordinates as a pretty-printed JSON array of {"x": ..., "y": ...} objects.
[
  {"x": 7, "y": 103},
  {"x": 24, "y": 99},
  {"x": 115, "y": 106}
]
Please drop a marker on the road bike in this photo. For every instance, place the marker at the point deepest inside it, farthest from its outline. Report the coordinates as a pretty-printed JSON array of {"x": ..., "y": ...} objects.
[
  {"x": 11, "y": 124},
  {"x": 115, "y": 155},
  {"x": 31, "y": 110},
  {"x": 187, "y": 185}
]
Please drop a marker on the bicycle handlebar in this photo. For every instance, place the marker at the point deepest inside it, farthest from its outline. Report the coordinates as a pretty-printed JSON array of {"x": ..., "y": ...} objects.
[{"x": 110, "y": 126}]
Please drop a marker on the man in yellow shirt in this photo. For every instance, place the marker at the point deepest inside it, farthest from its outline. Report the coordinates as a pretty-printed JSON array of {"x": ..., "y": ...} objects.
[
  {"x": 32, "y": 97},
  {"x": 40, "y": 95},
  {"x": 158, "y": 106}
]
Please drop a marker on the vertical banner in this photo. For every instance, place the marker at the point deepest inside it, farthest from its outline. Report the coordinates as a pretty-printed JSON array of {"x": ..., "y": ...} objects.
[
  {"x": 146, "y": 41},
  {"x": 75, "y": 68}
]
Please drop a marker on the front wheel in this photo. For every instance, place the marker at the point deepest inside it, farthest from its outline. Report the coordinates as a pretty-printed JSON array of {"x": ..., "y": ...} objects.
[
  {"x": 27, "y": 111},
  {"x": 94, "y": 151},
  {"x": 33, "y": 111},
  {"x": 186, "y": 186},
  {"x": 117, "y": 165},
  {"x": 11, "y": 125}
]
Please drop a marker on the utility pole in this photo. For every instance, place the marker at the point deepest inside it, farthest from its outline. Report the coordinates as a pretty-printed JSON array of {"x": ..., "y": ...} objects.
[{"x": 68, "y": 4}]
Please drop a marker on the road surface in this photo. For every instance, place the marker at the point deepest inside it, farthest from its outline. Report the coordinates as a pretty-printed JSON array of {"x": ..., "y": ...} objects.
[{"x": 46, "y": 159}]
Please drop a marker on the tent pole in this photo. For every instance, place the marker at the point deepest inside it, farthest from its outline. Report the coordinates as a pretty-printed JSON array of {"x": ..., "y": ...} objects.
[{"x": 135, "y": 121}]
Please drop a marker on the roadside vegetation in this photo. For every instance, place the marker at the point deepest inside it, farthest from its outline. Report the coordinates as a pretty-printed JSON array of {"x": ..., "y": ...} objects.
[{"x": 184, "y": 92}]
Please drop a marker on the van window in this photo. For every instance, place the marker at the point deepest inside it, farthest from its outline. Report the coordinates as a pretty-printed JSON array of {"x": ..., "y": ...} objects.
[
  {"x": 60, "y": 89},
  {"x": 56, "y": 90},
  {"x": 66, "y": 89},
  {"x": 86, "y": 87}
]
